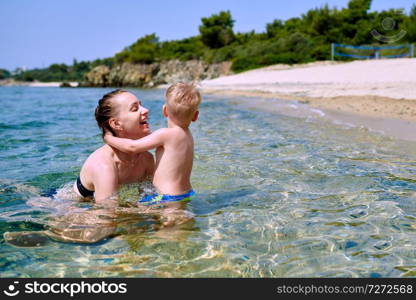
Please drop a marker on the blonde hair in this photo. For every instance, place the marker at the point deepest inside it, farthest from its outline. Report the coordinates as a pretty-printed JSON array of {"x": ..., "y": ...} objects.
[{"x": 182, "y": 100}]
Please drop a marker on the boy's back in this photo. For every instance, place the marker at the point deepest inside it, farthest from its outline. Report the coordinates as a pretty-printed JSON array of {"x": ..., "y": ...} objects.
[{"x": 174, "y": 162}]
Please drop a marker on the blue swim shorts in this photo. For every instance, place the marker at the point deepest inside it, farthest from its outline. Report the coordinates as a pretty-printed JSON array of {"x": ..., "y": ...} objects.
[{"x": 157, "y": 199}]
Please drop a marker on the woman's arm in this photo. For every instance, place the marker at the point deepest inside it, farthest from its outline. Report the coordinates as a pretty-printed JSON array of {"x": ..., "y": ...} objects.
[
  {"x": 151, "y": 141},
  {"x": 105, "y": 184}
]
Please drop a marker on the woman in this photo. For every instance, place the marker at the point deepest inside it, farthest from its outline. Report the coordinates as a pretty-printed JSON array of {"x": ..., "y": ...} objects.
[
  {"x": 107, "y": 168},
  {"x": 102, "y": 173}
]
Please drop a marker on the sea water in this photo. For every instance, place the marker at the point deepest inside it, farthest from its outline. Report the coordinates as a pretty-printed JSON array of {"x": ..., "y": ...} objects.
[{"x": 279, "y": 195}]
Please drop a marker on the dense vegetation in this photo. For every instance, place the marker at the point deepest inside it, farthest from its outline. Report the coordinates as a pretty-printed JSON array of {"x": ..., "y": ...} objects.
[
  {"x": 4, "y": 74},
  {"x": 62, "y": 72},
  {"x": 296, "y": 40}
]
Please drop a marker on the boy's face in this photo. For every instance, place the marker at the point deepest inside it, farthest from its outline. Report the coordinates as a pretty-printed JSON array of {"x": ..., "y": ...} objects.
[{"x": 131, "y": 116}]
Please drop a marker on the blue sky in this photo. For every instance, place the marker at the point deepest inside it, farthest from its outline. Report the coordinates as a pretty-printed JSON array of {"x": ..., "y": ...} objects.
[{"x": 37, "y": 33}]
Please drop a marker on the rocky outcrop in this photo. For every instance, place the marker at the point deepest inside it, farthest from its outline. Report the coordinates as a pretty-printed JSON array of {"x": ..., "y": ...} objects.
[
  {"x": 142, "y": 75},
  {"x": 97, "y": 76},
  {"x": 132, "y": 75}
]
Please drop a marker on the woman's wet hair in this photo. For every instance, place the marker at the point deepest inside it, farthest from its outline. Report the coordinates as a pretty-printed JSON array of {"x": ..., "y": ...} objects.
[{"x": 105, "y": 110}]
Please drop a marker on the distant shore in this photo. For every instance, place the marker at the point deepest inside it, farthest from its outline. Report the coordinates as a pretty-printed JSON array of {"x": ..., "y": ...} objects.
[
  {"x": 376, "y": 88},
  {"x": 375, "y": 93},
  {"x": 12, "y": 82}
]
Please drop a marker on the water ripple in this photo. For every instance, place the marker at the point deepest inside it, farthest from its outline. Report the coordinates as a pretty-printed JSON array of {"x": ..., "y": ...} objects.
[{"x": 277, "y": 196}]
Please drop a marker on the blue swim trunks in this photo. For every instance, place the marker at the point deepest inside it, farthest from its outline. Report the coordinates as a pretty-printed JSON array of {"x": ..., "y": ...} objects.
[{"x": 157, "y": 199}]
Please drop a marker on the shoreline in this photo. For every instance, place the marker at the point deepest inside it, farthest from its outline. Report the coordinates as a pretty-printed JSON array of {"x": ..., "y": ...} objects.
[
  {"x": 365, "y": 106},
  {"x": 370, "y": 92},
  {"x": 382, "y": 114}
]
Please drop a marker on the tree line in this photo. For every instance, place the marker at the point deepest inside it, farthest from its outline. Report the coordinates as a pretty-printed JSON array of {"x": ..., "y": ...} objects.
[{"x": 297, "y": 40}]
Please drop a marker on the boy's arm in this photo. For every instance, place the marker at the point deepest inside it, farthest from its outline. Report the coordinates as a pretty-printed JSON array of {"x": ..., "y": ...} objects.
[{"x": 151, "y": 141}]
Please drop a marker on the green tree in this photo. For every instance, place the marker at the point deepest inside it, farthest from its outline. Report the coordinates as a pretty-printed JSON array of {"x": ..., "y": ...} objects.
[
  {"x": 185, "y": 49},
  {"x": 410, "y": 25},
  {"x": 109, "y": 62},
  {"x": 273, "y": 29},
  {"x": 58, "y": 68},
  {"x": 144, "y": 50},
  {"x": 4, "y": 74},
  {"x": 80, "y": 67},
  {"x": 320, "y": 21},
  {"x": 362, "y": 5},
  {"x": 217, "y": 30},
  {"x": 246, "y": 37},
  {"x": 357, "y": 10}
]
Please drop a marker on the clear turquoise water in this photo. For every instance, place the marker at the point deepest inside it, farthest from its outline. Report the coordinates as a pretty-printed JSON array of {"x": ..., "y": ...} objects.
[{"x": 279, "y": 196}]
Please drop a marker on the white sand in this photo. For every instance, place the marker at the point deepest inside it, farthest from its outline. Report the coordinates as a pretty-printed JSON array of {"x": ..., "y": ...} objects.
[
  {"x": 44, "y": 84},
  {"x": 392, "y": 78},
  {"x": 12, "y": 82},
  {"x": 50, "y": 84}
]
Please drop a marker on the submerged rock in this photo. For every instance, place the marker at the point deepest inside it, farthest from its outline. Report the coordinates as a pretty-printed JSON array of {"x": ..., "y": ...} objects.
[{"x": 26, "y": 238}]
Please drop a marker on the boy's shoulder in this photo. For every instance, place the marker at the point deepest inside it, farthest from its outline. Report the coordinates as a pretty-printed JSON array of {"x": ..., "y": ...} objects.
[{"x": 170, "y": 132}]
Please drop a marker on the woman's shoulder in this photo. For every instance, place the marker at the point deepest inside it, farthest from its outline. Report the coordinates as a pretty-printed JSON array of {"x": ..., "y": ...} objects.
[{"x": 103, "y": 157}]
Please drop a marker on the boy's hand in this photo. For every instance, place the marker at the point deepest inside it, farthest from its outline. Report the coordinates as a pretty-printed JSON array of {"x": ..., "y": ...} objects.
[
  {"x": 106, "y": 135},
  {"x": 107, "y": 131}
]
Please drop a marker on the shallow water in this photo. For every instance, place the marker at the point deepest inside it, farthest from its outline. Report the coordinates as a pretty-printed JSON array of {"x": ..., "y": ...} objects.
[{"x": 278, "y": 195}]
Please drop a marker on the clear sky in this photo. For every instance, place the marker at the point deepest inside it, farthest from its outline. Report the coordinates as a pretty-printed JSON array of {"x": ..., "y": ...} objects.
[{"x": 37, "y": 33}]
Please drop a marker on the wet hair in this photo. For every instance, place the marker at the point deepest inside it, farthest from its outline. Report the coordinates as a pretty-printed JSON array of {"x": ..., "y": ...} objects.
[
  {"x": 182, "y": 100},
  {"x": 105, "y": 110}
]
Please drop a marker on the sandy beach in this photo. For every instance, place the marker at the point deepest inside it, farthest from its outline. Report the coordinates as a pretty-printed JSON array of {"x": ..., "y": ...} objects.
[{"x": 376, "y": 88}]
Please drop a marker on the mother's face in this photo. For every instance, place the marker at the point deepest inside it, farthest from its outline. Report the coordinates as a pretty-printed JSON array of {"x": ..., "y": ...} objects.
[{"x": 131, "y": 117}]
